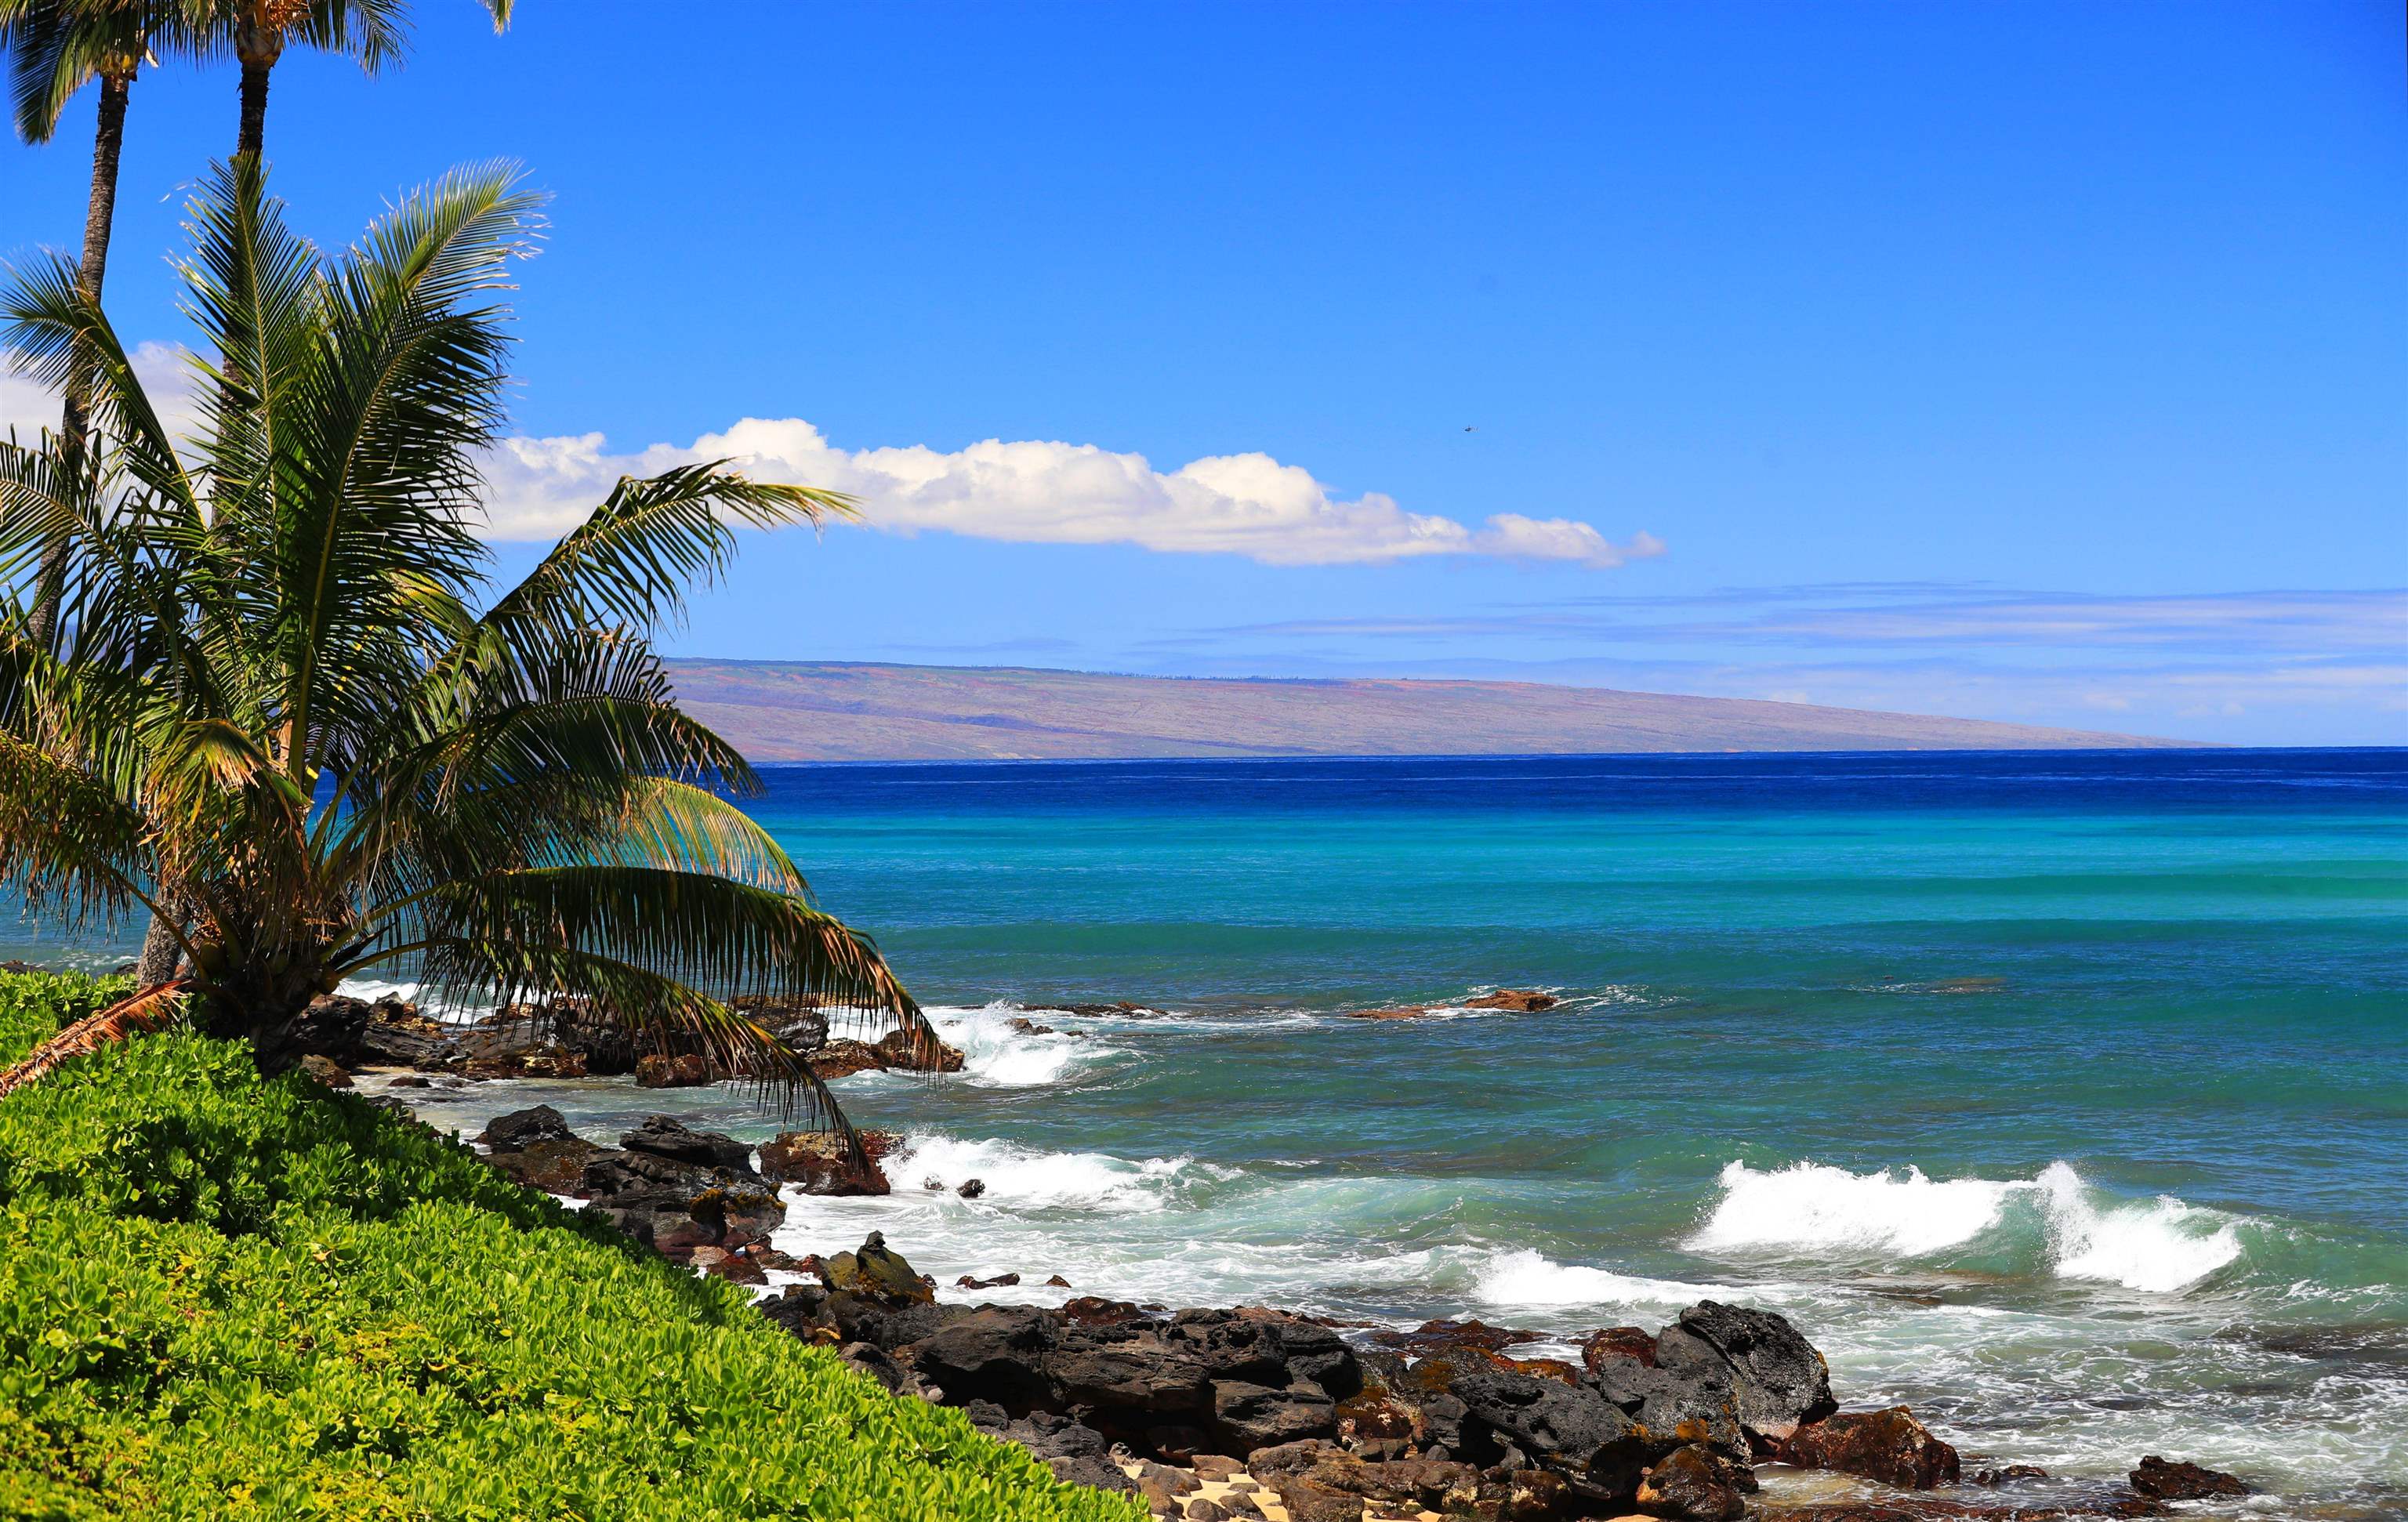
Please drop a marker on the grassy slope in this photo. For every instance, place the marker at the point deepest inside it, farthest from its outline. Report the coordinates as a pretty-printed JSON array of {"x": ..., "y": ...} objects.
[
  {"x": 801, "y": 712},
  {"x": 223, "y": 1297}
]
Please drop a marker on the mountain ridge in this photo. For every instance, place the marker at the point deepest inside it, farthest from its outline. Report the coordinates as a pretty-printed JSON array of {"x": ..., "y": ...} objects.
[{"x": 843, "y": 710}]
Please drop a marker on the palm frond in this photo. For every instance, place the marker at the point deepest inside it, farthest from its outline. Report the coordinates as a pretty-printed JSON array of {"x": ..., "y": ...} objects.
[{"x": 144, "y": 1010}]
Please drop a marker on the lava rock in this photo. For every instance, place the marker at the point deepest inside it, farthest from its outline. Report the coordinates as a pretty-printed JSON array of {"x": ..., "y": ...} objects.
[
  {"x": 816, "y": 1161},
  {"x": 994, "y": 1353},
  {"x": 1633, "y": 1342},
  {"x": 2160, "y": 1480},
  {"x": 1251, "y": 1416},
  {"x": 522, "y": 1129},
  {"x": 1519, "y": 1000},
  {"x": 1888, "y": 1445},
  {"x": 665, "y": 1136},
  {"x": 1782, "y": 1382},
  {"x": 1697, "y": 1484},
  {"x": 687, "y": 1069},
  {"x": 877, "y": 1271}
]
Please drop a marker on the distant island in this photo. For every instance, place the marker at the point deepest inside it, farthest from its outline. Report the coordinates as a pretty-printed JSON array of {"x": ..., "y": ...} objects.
[{"x": 777, "y": 710}]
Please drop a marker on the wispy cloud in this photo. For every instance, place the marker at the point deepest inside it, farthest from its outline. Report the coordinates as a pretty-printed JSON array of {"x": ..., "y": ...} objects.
[
  {"x": 1046, "y": 491},
  {"x": 1029, "y": 491},
  {"x": 2280, "y": 667}
]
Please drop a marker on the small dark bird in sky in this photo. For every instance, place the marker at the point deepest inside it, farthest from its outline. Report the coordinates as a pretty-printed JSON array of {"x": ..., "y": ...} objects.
[{"x": 1471, "y": 428}]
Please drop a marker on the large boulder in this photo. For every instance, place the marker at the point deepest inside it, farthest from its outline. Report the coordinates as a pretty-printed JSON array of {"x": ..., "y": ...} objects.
[
  {"x": 1692, "y": 1404},
  {"x": 1780, "y": 1382},
  {"x": 683, "y": 1070},
  {"x": 1888, "y": 1445},
  {"x": 1574, "y": 1431},
  {"x": 675, "y": 1205},
  {"x": 665, "y": 1136},
  {"x": 877, "y": 1271},
  {"x": 520, "y": 1129},
  {"x": 1250, "y": 1416},
  {"x": 994, "y": 1353},
  {"x": 816, "y": 1161},
  {"x": 1128, "y": 1368}
]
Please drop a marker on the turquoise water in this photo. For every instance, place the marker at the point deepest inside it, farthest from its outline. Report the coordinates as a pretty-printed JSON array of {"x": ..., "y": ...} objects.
[{"x": 2064, "y": 1097}]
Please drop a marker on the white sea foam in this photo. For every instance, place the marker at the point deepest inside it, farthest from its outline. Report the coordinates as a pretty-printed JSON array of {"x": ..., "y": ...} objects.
[
  {"x": 995, "y": 1055},
  {"x": 1026, "y": 1178},
  {"x": 2159, "y": 1245},
  {"x": 1815, "y": 1208},
  {"x": 1530, "y": 1278}
]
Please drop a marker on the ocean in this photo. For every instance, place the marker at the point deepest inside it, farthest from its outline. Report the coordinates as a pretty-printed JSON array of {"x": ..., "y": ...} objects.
[{"x": 2060, "y": 1096}]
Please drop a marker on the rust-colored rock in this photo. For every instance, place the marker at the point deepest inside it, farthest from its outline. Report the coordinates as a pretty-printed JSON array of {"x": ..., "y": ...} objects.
[
  {"x": 816, "y": 1161},
  {"x": 1519, "y": 1001},
  {"x": 1399, "y": 1012},
  {"x": 1618, "y": 1342},
  {"x": 1697, "y": 1484},
  {"x": 1888, "y": 1445},
  {"x": 325, "y": 1070},
  {"x": 1430, "y": 1336},
  {"x": 688, "y": 1070},
  {"x": 2161, "y": 1481},
  {"x": 897, "y": 1049},
  {"x": 841, "y": 1058}
]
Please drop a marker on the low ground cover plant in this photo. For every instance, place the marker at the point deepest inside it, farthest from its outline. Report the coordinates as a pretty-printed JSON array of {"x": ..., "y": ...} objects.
[{"x": 228, "y": 1296}]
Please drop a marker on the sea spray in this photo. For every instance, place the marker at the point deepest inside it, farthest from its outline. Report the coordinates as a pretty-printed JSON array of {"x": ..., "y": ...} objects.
[{"x": 1901, "y": 1218}]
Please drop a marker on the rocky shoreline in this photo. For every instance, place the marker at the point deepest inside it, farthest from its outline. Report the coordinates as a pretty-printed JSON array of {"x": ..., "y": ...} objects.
[
  {"x": 1250, "y": 1412},
  {"x": 1232, "y": 1412}
]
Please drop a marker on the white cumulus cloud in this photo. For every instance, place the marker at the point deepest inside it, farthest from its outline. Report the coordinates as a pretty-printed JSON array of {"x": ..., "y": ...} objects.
[
  {"x": 1029, "y": 491},
  {"x": 1049, "y": 492}
]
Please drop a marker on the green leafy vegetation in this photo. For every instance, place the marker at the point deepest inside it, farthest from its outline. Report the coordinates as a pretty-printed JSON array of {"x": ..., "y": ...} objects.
[{"x": 225, "y": 1296}]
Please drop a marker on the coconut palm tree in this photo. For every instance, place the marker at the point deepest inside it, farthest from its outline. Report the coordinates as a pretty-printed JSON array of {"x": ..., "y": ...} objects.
[
  {"x": 257, "y": 32},
  {"x": 54, "y": 48},
  {"x": 283, "y": 691}
]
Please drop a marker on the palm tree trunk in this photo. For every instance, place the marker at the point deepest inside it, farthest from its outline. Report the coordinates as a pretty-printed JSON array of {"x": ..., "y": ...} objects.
[
  {"x": 75, "y": 424},
  {"x": 252, "y": 136}
]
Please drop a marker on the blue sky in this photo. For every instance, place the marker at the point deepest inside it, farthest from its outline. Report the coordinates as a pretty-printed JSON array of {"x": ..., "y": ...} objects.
[{"x": 2011, "y": 361}]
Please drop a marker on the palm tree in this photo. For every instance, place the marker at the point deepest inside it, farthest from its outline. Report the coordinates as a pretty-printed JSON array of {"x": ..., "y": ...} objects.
[
  {"x": 272, "y": 696},
  {"x": 257, "y": 32},
  {"x": 54, "y": 48}
]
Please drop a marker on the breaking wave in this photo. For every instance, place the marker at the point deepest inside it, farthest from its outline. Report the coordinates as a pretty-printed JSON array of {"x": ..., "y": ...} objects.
[{"x": 2064, "y": 1226}]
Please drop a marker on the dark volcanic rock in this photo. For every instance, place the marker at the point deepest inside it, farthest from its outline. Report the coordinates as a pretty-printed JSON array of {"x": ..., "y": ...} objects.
[
  {"x": 1576, "y": 1431},
  {"x": 898, "y": 1049},
  {"x": 1694, "y": 1403},
  {"x": 842, "y": 1058},
  {"x": 1251, "y": 1416},
  {"x": 521, "y": 1129},
  {"x": 993, "y": 1354},
  {"x": 1096, "y": 1473},
  {"x": 665, "y": 1136},
  {"x": 2158, "y": 1480},
  {"x": 1887, "y": 1445},
  {"x": 1128, "y": 1368},
  {"x": 1781, "y": 1380},
  {"x": 555, "y": 1166},
  {"x": 1697, "y": 1484}
]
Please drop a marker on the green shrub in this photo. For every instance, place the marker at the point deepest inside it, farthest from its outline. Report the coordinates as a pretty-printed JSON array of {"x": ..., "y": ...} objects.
[{"x": 228, "y": 1297}]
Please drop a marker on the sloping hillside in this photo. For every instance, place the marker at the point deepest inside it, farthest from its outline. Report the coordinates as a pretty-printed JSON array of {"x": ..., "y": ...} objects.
[{"x": 781, "y": 712}]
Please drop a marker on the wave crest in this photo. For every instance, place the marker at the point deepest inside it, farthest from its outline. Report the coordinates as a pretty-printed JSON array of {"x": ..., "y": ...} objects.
[{"x": 2073, "y": 1231}]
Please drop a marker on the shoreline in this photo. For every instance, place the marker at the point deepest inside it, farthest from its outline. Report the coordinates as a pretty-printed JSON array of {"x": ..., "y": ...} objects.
[{"x": 1785, "y": 1491}]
